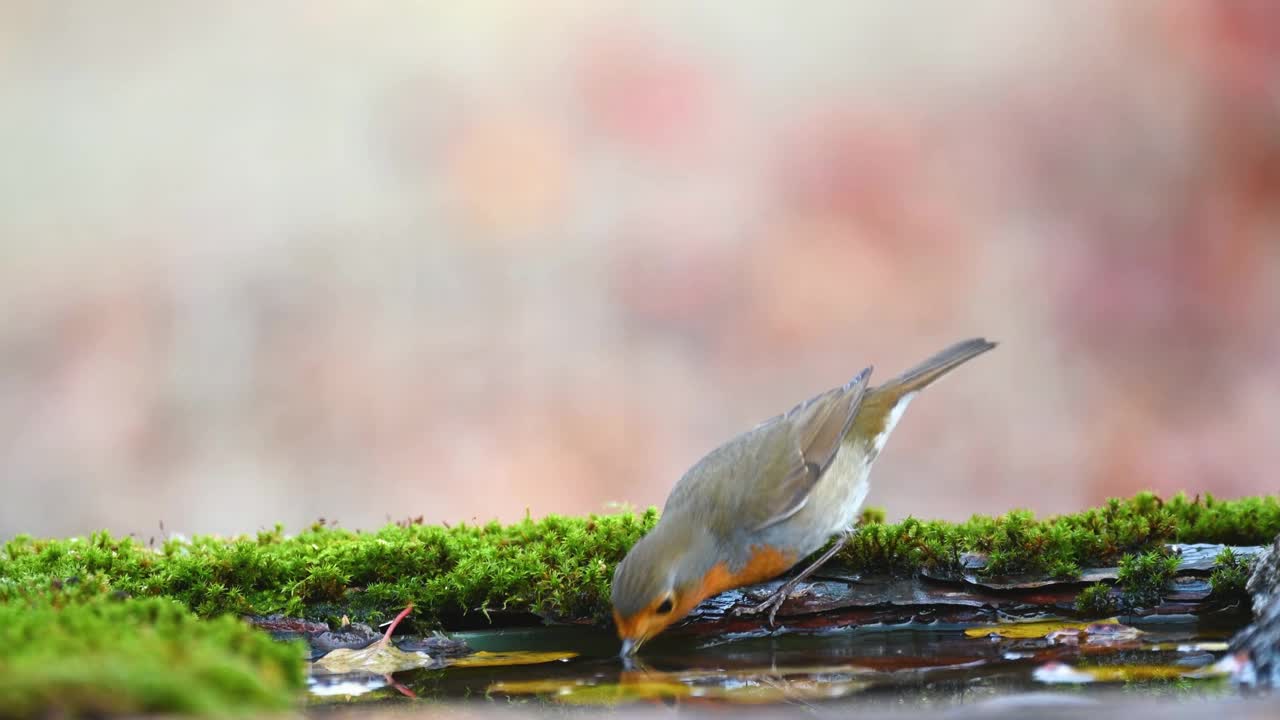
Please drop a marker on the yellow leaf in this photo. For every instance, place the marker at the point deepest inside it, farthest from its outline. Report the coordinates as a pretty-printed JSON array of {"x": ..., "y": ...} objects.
[
  {"x": 1036, "y": 629},
  {"x": 1131, "y": 673},
  {"x": 1056, "y": 672},
  {"x": 743, "y": 686},
  {"x": 1189, "y": 647},
  {"x": 494, "y": 659},
  {"x": 581, "y": 693}
]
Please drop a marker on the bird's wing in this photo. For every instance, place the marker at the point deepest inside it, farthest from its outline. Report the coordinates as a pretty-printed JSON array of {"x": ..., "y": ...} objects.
[{"x": 797, "y": 449}]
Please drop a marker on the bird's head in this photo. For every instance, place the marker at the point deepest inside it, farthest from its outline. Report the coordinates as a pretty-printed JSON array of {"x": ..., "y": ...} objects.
[{"x": 664, "y": 576}]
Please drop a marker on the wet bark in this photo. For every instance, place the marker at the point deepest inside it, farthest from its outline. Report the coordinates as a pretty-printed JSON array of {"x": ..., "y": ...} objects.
[
  {"x": 1261, "y": 639},
  {"x": 840, "y": 597}
]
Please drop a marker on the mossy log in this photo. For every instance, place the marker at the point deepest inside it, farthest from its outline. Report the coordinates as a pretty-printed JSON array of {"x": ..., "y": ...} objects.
[
  {"x": 837, "y": 598},
  {"x": 93, "y": 619},
  {"x": 558, "y": 569}
]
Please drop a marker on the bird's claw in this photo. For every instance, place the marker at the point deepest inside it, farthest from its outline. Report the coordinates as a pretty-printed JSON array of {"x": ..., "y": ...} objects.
[{"x": 771, "y": 604}]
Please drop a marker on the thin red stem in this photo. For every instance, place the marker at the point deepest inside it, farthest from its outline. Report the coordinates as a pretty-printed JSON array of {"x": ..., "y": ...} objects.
[
  {"x": 403, "y": 614},
  {"x": 400, "y": 688}
]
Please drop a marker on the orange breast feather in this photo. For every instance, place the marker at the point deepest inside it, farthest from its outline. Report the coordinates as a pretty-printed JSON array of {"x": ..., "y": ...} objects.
[{"x": 765, "y": 563}]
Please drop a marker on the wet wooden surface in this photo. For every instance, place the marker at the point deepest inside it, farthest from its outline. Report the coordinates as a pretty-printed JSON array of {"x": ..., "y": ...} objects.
[
  {"x": 1261, "y": 639},
  {"x": 840, "y": 597},
  {"x": 1047, "y": 705}
]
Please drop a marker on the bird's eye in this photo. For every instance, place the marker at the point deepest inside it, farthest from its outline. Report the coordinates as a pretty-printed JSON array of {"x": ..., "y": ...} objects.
[{"x": 666, "y": 606}]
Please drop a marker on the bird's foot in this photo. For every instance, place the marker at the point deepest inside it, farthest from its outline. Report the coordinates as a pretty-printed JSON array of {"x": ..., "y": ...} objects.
[{"x": 773, "y": 603}]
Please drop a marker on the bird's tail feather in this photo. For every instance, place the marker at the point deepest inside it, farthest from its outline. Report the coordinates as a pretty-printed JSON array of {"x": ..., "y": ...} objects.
[{"x": 937, "y": 366}]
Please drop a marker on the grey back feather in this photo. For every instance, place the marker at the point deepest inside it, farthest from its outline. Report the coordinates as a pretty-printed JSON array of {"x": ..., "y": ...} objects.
[{"x": 765, "y": 475}]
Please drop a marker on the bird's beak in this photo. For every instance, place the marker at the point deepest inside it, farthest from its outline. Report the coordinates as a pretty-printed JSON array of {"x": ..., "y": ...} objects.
[{"x": 629, "y": 648}]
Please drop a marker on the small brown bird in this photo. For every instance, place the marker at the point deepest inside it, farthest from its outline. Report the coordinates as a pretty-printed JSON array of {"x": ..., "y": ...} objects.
[{"x": 758, "y": 504}]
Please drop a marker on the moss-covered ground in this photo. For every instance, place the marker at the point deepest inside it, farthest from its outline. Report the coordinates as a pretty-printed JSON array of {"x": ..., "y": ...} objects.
[
  {"x": 560, "y": 567},
  {"x": 143, "y": 613},
  {"x": 1019, "y": 543},
  {"x": 557, "y": 567},
  {"x": 83, "y": 652}
]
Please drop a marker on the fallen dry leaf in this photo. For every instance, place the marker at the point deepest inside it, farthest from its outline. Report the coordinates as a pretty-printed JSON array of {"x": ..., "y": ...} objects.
[
  {"x": 379, "y": 658},
  {"x": 382, "y": 657}
]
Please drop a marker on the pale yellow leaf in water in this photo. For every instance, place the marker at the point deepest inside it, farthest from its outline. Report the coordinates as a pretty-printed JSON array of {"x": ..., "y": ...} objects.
[
  {"x": 1189, "y": 647},
  {"x": 1135, "y": 673},
  {"x": 770, "y": 690},
  {"x": 583, "y": 693},
  {"x": 494, "y": 659},
  {"x": 745, "y": 687},
  {"x": 1036, "y": 629},
  {"x": 1055, "y": 672},
  {"x": 380, "y": 658}
]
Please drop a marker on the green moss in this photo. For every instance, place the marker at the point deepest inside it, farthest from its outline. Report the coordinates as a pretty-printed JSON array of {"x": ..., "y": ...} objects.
[
  {"x": 1018, "y": 542},
  {"x": 1230, "y": 573},
  {"x": 1143, "y": 577},
  {"x": 86, "y": 653},
  {"x": 557, "y": 567},
  {"x": 1096, "y": 600},
  {"x": 108, "y": 625},
  {"x": 561, "y": 567},
  {"x": 105, "y": 624},
  {"x": 871, "y": 516}
]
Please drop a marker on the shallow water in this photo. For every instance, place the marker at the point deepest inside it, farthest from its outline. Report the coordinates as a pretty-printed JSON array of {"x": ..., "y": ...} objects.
[{"x": 914, "y": 666}]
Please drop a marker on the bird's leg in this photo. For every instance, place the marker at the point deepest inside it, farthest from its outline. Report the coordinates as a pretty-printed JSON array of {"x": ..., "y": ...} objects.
[{"x": 779, "y": 596}]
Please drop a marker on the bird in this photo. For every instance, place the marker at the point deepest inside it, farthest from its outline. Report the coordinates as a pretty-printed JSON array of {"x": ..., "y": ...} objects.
[{"x": 754, "y": 507}]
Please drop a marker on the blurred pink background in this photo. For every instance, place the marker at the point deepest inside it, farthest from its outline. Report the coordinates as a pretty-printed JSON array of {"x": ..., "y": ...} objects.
[{"x": 279, "y": 261}]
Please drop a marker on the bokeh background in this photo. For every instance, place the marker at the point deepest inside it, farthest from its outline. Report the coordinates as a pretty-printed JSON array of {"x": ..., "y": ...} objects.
[{"x": 279, "y": 261}]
